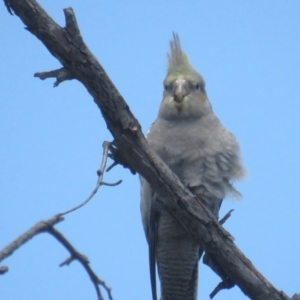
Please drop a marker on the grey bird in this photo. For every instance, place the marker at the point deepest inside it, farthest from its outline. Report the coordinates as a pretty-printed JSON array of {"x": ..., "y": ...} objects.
[{"x": 190, "y": 139}]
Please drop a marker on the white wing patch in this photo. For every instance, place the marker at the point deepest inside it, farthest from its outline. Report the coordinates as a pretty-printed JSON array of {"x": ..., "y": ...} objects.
[{"x": 146, "y": 136}]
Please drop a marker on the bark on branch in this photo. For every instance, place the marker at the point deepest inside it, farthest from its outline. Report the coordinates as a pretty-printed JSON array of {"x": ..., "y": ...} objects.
[{"x": 130, "y": 148}]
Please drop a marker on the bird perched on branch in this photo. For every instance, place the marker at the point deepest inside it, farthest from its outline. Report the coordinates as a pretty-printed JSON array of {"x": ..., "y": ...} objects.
[{"x": 190, "y": 139}]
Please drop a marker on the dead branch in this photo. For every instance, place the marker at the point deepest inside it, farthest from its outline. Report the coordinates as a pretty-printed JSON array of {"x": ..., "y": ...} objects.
[
  {"x": 61, "y": 75},
  {"x": 226, "y": 217},
  {"x": 75, "y": 255},
  {"x": 67, "y": 45},
  {"x": 48, "y": 226},
  {"x": 29, "y": 234},
  {"x": 100, "y": 181},
  {"x": 226, "y": 282}
]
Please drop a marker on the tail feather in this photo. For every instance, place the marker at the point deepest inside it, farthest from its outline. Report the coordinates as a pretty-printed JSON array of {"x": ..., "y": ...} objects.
[{"x": 177, "y": 259}]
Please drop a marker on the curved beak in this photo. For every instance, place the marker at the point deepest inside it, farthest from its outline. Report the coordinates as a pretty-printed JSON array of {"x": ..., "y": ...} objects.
[{"x": 180, "y": 90}]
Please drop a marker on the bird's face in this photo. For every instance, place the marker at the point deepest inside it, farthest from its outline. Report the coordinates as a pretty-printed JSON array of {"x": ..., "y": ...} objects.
[{"x": 184, "y": 97}]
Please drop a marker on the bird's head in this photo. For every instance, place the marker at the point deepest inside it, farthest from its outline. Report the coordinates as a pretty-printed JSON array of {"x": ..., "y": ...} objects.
[{"x": 184, "y": 88}]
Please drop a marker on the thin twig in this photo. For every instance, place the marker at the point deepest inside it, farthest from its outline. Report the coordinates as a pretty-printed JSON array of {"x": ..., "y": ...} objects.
[
  {"x": 3, "y": 270},
  {"x": 75, "y": 255},
  {"x": 221, "y": 286},
  {"x": 226, "y": 217},
  {"x": 111, "y": 184},
  {"x": 111, "y": 166},
  {"x": 100, "y": 181}
]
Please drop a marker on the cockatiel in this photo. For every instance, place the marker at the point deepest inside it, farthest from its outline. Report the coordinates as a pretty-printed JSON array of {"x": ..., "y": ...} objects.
[{"x": 190, "y": 139}]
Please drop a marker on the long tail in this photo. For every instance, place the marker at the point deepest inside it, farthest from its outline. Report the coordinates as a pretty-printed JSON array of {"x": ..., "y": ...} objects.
[{"x": 177, "y": 259}]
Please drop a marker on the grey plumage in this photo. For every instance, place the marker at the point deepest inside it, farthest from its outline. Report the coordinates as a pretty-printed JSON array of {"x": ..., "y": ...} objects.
[{"x": 205, "y": 156}]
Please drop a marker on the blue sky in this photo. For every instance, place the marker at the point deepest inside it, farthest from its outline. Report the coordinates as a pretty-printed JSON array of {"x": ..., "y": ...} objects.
[{"x": 51, "y": 139}]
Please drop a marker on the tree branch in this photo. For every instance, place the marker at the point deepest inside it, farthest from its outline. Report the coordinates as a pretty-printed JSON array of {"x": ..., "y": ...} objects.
[
  {"x": 29, "y": 234},
  {"x": 48, "y": 226},
  {"x": 67, "y": 45},
  {"x": 75, "y": 255}
]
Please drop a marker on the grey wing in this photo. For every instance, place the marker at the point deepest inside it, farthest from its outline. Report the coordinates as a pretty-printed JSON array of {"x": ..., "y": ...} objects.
[
  {"x": 150, "y": 219},
  {"x": 146, "y": 201},
  {"x": 146, "y": 194}
]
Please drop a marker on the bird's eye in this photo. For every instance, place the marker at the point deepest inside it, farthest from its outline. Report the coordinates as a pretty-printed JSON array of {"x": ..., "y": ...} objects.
[
  {"x": 167, "y": 88},
  {"x": 200, "y": 87}
]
